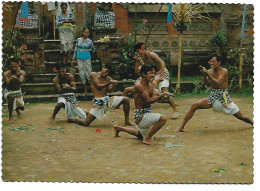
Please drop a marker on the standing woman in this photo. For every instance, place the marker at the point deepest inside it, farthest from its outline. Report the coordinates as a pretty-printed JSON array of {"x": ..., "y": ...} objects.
[
  {"x": 64, "y": 21},
  {"x": 82, "y": 51}
]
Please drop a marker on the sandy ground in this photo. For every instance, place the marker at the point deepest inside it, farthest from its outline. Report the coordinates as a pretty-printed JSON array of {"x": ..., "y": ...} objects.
[{"x": 215, "y": 148}]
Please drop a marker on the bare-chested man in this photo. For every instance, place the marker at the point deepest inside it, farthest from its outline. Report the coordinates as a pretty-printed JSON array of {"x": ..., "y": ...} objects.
[
  {"x": 14, "y": 78},
  {"x": 162, "y": 76},
  {"x": 100, "y": 85},
  {"x": 219, "y": 99},
  {"x": 146, "y": 122},
  {"x": 65, "y": 84}
]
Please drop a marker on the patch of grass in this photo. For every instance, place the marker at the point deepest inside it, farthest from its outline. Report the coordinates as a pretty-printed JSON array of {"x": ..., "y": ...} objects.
[{"x": 21, "y": 128}]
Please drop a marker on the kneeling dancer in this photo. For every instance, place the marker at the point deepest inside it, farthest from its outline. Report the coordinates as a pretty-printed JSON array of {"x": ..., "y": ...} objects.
[
  {"x": 146, "y": 122},
  {"x": 101, "y": 84},
  {"x": 65, "y": 84}
]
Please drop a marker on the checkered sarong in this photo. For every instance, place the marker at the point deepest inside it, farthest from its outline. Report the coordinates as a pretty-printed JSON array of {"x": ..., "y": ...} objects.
[
  {"x": 218, "y": 94},
  {"x": 70, "y": 97},
  {"x": 101, "y": 101},
  {"x": 104, "y": 18},
  {"x": 139, "y": 112},
  {"x": 166, "y": 75},
  {"x": 31, "y": 23}
]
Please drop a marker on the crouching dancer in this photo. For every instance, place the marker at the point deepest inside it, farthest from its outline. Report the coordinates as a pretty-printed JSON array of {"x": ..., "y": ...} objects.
[
  {"x": 217, "y": 78},
  {"x": 146, "y": 122},
  {"x": 65, "y": 84},
  {"x": 14, "y": 78},
  {"x": 101, "y": 84}
]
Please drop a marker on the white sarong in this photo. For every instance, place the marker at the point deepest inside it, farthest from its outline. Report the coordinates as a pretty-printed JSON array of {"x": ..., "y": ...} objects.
[
  {"x": 146, "y": 124},
  {"x": 231, "y": 108},
  {"x": 72, "y": 108},
  {"x": 165, "y": 83},
  {"x": 18, "y": 100},
  {"x": 103, "y": 104}
]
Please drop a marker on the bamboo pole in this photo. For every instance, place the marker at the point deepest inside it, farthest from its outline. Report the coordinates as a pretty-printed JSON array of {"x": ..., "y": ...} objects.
[
  {"x": 153, "y": 23},
  {"x": 179, "y": 66},
  {"x": 240, "y": 64}
]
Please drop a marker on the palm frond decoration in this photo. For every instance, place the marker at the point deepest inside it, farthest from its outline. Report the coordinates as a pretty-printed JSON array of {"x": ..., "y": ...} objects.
[
  {"x": 8, "y": 7},
  {"x": 185, "y": 12}
]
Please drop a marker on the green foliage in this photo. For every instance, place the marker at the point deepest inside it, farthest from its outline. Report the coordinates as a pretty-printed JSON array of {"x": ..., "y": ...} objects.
[
  {"x": 198, "y": 83},
  {"x": 12, "y": 50},
  {"x": 47, "y": 36},
  {"x": 180, "y": 26},
  {"x": 141, "y": 27},
  {"x": 218, "y": 40},
  {"x": 127, "y": 54},
  {"x": 232, "y": 64},
  {"x": 248, "y": 56}
]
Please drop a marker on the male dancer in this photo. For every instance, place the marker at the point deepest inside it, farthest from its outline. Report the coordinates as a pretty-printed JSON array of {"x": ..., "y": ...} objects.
[
  {"x": 162, "y": 77},
  {"x": 217, "y": 78},
  {"x": 101, "y": 84},
  {"x": 146, "y": 122},
  {"x": 65, "y": 84},
  {"x": 14, "y": 78}
]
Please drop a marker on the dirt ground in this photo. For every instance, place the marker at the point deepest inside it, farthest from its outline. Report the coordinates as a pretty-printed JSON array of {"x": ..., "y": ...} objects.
[{"x": 215, "y": 148}]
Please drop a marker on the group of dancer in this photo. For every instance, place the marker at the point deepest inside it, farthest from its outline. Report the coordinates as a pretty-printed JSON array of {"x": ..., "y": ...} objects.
[{"x": 151, "y": 87}]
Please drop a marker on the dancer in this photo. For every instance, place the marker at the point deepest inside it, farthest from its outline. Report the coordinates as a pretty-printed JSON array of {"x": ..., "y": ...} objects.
[
  {"x": 162, "y": 77},
  {"x": 100, "y": 85},
  {"x": 65, "y": 84},
  {"x": 146, "y": 122},
  {"x": 14, "y": 78},
  {"x": 219, "y": 99}
]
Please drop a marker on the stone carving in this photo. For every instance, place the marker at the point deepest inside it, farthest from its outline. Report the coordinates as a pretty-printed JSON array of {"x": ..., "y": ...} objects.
[
  {"x": 165, "y": 43},
  {"x": 184, "y": 43},
  {"x": 174, "y": 44},
  {"x": 201, "y": 43},
  {"x": 200, "y": 27},
  {"x": 155, "y": 44},
  {"x": 192, "y": 43}
]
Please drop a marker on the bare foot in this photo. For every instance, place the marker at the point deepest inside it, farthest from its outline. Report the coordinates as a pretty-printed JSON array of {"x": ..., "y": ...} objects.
[
  {"x": 11, "y": 119},
  {"x": 180, "y": 130},
  {"x": 175, "y": 115},
  {"x": 117, "y": 129},
  {"x": 129, "y": 123},
  {"x": 148, "y": 141},
  {"x": 18, "y": 112},
  {"x": 52, "y": 119}
]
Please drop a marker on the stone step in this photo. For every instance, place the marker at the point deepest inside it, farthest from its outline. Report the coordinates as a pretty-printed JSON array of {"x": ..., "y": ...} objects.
[
  {"x": 53, "y": 97},
  {"x": 49, "y": 88}
]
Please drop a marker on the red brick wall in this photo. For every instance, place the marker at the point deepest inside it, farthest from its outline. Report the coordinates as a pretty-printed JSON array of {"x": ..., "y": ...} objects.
[{"x": 121, "y": 19}]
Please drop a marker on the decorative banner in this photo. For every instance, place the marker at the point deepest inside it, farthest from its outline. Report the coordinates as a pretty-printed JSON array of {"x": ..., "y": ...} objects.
[
  {"x": 169, "y": 17},
  {"x": 243, "y": 23},
  {"x": 24, "y": 11}
]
